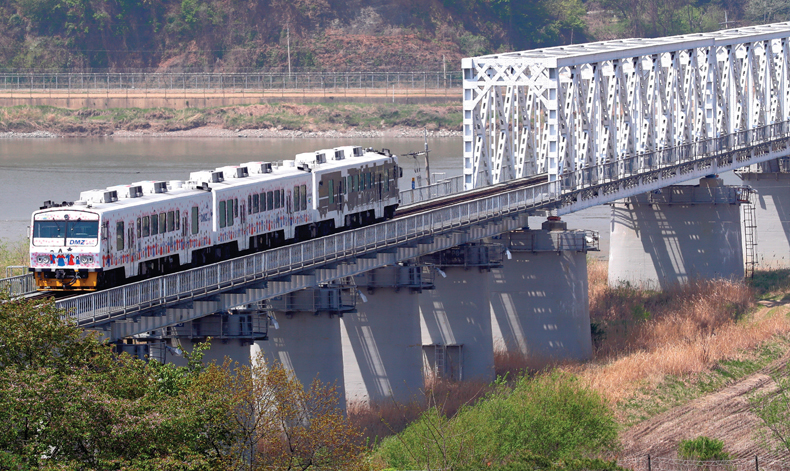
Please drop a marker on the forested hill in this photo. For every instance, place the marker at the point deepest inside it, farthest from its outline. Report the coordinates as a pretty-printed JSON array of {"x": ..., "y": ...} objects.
[{"x": 333, "y": 35}]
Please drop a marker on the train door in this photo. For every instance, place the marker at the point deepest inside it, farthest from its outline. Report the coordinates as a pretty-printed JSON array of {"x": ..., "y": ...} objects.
[
  {"x": 379, "y": 193},
  {"x": 183, "y": 252},
  {"x": 129, "y": 249}
]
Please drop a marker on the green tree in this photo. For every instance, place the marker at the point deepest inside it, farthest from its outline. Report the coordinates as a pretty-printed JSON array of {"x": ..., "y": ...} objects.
[{"x": 68, "y": 401}]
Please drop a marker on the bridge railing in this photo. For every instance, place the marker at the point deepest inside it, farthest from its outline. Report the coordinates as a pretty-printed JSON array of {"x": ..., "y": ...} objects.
[
  {"x": 18, "y": 285},
  {"x": 671, "y": 156},
  {"x": 439, "y": 189},
  {"x": 134, "y": 297}
]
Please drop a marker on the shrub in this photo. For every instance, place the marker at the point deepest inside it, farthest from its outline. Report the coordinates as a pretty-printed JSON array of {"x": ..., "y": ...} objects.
[
  {"x": 702, "y": 449},
  {"x": 551, "y": 416}
]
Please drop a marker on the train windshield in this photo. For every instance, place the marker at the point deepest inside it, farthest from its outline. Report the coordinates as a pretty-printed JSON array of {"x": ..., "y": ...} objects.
[{"x": 61, "y": 233}]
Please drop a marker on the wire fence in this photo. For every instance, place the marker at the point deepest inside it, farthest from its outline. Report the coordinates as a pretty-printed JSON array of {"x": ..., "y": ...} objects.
[
  {"x": 646, "y": 463},
  {"x": 228, "y": 81}
]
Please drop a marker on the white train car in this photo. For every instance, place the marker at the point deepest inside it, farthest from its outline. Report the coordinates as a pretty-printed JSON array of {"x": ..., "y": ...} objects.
[{"x": 132, "y": 232}]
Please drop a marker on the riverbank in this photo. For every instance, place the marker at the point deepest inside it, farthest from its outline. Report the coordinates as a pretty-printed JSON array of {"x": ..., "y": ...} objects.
[{"x": 319, "y": 120}]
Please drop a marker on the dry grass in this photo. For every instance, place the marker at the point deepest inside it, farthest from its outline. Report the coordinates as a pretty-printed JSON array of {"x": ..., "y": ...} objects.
[
  {"x": 512, "y": 364},
  {"x": 13, "y": 253},
  {"x": 627, "y": 319},
  {"x": 644, "y": 336}
]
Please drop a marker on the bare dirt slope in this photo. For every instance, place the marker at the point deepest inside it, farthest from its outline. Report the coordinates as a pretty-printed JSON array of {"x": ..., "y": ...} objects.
[{"x": 724, "y": 415}]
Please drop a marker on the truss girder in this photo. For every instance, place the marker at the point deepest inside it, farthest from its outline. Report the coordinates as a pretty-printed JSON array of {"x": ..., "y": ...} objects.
[{"x": 564, "y": 109}]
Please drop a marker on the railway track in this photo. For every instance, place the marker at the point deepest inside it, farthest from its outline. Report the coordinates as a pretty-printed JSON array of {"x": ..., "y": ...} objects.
[
  {"x": 41, "y": 295},
  {"x": 469, "y": 195}
]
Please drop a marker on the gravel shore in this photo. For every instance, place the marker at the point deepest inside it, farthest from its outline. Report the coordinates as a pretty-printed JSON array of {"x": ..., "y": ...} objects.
[{"x": 218, "y": 132}]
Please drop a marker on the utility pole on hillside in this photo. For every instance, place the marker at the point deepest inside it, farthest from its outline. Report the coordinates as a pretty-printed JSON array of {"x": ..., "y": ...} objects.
[{"x": 288, "y": 42}]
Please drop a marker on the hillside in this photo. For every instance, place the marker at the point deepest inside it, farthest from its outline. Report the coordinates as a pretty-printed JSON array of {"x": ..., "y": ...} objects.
[{"x": 330, "y": 34}]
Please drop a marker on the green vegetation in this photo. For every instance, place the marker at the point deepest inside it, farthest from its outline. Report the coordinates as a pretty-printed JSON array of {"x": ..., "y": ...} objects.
[
  {"x": 331, "y": 35},
  {"x": 68, "y": 402},
  {"x": 771, "y": 284},
  {"x": 304, "y": 117},
  {"x": 551, "y": 416},
  {"x": 702, "y": 449}
]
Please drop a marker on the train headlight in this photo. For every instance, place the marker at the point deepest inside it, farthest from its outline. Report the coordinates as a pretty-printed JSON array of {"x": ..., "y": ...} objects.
[
  {"x": 86, "y": 259},
  {"x": 43, "y": 259}
]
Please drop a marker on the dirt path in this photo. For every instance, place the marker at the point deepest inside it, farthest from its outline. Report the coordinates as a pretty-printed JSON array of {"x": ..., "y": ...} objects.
[{"x": 724, "y": 415}]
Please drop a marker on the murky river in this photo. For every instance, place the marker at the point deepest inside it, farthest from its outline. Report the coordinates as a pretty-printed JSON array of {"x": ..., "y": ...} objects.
[{"x": 35, "y": 170}]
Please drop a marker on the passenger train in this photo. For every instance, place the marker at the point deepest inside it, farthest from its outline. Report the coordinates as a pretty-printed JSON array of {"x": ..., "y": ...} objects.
[{"x": 132, "y": 232}]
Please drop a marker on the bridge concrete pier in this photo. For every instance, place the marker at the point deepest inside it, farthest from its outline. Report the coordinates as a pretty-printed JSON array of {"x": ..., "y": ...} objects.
[
  {"x": 771, "y": 181},
  {"x": 238, "y": 351},
  {"x": 675, "y": 234},
  {"x": 539, "y": 299},
  {"x": 456, "y": 325},
  {"x": 382, "y": 358},
  {"x": 309, "y": 345}
]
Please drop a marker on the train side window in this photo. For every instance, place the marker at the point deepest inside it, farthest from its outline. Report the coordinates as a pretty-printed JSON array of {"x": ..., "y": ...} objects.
[
  {"x": 222, "y": 214},
  {"x": 119, "y": 234},
  {"x": 249, "y": 204},
  {"x": 255, "y": 202},
  {"x": 146, "y": 227},
  {"x": 297, "y": 199},
  {"x": 270, "y": 200},
  {"x": 178, "y": 219},
  {"x": 162, "y": 223},
  {"x": 356, "y": 183},
  {"x": 276, "y": 200},
  {"x": 139, "y": 228},
  {"x": 195, "y": 220},
  {"x": 154, "y": 224},
  {"x": 304, "y": 197},
  {"x": 171, "y": 221},
  {"x": 282, "y": 197},
  {"x": 331, "y": 192},
  {"x": 236, "y": 207},
  {"x": 230, "y": 213}
]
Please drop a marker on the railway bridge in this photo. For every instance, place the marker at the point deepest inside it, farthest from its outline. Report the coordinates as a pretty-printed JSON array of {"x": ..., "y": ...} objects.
[{"x": 458, "y": 273}]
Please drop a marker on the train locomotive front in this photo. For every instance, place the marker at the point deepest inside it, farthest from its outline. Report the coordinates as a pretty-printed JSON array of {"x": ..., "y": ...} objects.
[{"x": 65, "y": 248}]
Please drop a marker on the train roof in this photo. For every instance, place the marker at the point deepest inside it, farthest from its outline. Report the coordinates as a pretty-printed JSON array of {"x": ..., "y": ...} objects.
[
  {"x": 222, "y": 178},
  {"x": 338, "y": 157}
]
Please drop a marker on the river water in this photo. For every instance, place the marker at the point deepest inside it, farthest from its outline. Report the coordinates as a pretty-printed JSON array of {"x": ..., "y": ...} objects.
[{"x": 35, "y": 170}]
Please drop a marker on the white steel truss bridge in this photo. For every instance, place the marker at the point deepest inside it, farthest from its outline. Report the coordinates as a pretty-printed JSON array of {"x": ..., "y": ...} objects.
[{"x": 588, "y": 113}]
